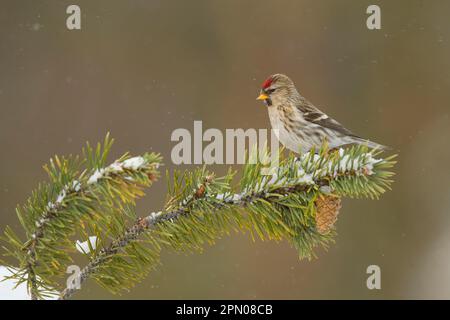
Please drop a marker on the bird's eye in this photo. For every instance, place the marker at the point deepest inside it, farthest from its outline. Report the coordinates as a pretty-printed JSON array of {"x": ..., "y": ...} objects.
[{"x": 269, "y": 91}]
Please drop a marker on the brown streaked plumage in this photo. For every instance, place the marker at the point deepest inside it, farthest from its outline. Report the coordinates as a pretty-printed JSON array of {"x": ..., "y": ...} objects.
[{"x": 298, "y": 124}]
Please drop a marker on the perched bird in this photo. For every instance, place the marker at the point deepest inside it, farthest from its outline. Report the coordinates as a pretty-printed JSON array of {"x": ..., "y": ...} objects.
[{"x": 301, "y": 126}]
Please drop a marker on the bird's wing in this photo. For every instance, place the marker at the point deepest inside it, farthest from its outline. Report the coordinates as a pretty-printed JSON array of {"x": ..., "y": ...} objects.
[{"x": 314, "y": 115}]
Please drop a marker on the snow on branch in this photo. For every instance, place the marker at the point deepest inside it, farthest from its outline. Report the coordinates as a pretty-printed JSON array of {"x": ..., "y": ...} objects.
[{"x": 87, "y": 199}]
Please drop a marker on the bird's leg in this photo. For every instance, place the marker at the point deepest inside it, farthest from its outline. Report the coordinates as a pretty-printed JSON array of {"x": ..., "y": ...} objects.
[
  {"x": 332, "y": 150},
  {"x": 336, "y": 149}
]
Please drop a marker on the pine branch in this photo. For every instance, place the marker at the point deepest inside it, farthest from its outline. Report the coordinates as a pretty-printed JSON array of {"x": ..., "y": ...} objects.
[
  {"x": 267, "y": 206},
  {"x": 74, "y": 200},
  {"x": 299, "y": 202}
]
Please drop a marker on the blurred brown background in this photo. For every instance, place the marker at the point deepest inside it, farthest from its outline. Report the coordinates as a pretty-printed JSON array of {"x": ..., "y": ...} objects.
[{"x": 141, "y": 69}]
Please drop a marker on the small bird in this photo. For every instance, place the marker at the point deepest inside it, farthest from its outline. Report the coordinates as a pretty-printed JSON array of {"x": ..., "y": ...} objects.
[{"x": 298, "y": 124}]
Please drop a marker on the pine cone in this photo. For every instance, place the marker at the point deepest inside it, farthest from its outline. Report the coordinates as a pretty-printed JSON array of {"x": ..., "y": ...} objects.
[{"x": 327, "y": 210}]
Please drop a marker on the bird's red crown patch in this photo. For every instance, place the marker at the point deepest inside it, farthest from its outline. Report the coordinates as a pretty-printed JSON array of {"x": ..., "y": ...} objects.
[{"x": 267, "y": 83}]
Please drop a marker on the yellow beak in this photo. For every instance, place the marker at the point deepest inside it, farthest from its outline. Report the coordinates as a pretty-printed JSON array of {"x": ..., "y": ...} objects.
[{"x": 262, "y": 96}]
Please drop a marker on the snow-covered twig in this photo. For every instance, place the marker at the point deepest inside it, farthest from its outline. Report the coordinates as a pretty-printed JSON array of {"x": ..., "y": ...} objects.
[{"x": 73, "y": 189}]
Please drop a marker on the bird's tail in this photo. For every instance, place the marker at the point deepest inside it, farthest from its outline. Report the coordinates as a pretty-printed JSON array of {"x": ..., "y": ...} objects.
[{"x": 372, "y": 145}]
